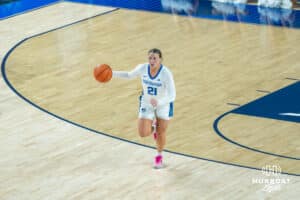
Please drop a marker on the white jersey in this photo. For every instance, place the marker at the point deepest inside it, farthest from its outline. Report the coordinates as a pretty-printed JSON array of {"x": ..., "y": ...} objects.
[{"x": 161, "y": 87}]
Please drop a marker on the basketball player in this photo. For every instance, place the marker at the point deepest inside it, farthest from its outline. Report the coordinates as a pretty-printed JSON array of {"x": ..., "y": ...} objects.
[{"x": 156, "y": 101}]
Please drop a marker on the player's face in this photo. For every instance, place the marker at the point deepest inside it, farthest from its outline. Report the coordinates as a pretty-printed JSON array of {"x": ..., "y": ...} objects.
[{"x": 154, "y": 59}]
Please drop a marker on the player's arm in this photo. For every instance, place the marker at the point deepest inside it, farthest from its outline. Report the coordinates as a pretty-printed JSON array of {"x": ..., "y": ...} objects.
[
  {"x": 128, "y": 75},
  {"x": 171, "y": 91}
]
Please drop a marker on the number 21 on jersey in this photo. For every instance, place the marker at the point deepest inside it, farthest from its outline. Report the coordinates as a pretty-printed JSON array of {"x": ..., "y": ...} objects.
[{"x": 152, "y": 91}]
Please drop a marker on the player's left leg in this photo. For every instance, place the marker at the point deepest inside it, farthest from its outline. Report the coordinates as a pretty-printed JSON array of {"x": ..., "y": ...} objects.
[
  {"x": 161, "y": 130},
  {"x": 154, "y": 131},
  {"x": 163, "y": 116}
]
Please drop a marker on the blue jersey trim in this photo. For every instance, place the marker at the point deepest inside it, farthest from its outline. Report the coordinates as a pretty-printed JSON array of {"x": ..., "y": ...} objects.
[
  {"x": 149, "y": 74},
  {"x": 140, "y": 101},
  {"x": 171, "y": 111}
]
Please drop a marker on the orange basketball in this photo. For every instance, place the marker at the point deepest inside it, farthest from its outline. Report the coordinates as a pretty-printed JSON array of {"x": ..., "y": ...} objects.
[{"x": 103, "y": 73}]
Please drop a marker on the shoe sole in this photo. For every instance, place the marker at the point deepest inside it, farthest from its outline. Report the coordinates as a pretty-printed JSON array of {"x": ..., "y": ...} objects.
[{"x": 159, "y": 166}]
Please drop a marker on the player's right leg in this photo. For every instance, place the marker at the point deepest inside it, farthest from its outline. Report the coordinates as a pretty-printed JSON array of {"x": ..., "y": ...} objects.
[
  {"x": 146, "y": 115},
  {"x": 144, "y": 126}
]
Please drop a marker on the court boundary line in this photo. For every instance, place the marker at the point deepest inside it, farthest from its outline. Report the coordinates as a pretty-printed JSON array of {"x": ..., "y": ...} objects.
[
  {"x": 31, "y": 10},
  {"x": 203, "y": 16},
  {"x": 217, "y": 130},
  {"x": 3, "y": 73}
]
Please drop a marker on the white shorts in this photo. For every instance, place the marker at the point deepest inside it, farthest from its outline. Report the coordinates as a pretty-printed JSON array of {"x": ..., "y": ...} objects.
[{"x": 147, "y": 111}]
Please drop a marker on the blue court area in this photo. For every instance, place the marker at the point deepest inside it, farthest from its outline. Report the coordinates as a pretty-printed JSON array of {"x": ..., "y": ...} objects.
[
  {"x": 242, "y": 13},
  {"x": 283, "y": 104}
]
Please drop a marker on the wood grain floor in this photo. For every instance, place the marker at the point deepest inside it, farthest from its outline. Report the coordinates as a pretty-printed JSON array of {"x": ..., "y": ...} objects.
[{"x": 213, "y": 63}]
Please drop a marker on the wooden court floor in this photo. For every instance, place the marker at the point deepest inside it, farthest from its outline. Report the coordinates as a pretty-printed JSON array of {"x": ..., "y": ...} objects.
[{"x": 214, "y": 63}]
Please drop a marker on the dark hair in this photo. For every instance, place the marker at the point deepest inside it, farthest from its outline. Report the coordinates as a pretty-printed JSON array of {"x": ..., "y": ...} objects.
[{"x": 155, "y": 50}]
